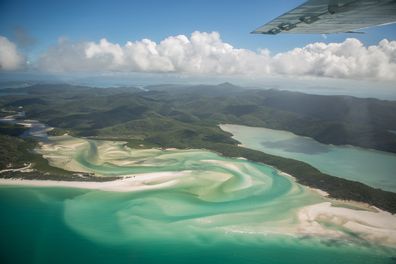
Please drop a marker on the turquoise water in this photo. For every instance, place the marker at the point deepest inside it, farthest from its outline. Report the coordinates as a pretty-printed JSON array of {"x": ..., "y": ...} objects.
[
  {"x": 183, "y": 206},
  {"x": 35, "y": 228},
  {"x": 374, "y": 168}
]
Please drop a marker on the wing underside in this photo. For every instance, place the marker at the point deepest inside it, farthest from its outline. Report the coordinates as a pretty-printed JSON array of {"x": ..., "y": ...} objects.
[{"x": 332, "y": 16}]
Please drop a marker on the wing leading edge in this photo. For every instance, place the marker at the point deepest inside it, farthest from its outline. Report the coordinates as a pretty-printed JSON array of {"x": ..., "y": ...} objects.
[{"x": 332, "y": 16}]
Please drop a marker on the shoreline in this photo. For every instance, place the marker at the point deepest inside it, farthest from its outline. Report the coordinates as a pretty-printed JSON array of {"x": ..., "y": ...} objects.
[
  {"x": 26, "y": 168},
  {"x": 305, "y": 174},
  {"x": 336, "y": 202},
  {"x": 128, "y": 183},
  {"x": 373, "y": 226},
  {"x": 377, "y": 227},
  {"x": 308, "y": 137},
  {"x": 144, "y": 181},
  {"x": 123, "y": 182}
]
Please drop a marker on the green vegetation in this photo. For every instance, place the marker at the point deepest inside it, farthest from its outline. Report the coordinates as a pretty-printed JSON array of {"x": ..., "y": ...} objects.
[
  {"x": 309, "y": 176},
  {"x": 305, "y": 174},
  {"x": 188, "y": 117},
  {"x": 132, "y": 113},
  {"x": 14, "y": 152},
  {"x": 11, "y": 129}
]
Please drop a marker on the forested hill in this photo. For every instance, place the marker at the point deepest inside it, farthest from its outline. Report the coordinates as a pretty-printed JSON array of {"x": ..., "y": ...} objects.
[{"x": 167, "y": 114}]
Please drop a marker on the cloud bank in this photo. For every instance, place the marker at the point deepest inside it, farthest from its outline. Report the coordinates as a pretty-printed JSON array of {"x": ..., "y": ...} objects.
[
  {"x": 10, "y": 57},
  {"x": 206, "y": 53}
]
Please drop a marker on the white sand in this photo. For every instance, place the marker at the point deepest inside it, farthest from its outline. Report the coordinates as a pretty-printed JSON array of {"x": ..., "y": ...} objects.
[
  {"x": 284, "y": 173},
  {"x": 319, "y": 191},
  {"x": 374, "y": 226},
  {"x": 27, "y": 168},
  {"x": 244, "y": 182},
  {"x": 28, "y": 125},
  {"x": 138, "y": 182}
]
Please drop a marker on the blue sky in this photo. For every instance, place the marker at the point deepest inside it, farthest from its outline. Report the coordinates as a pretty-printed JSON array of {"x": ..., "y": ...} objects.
[
  {"x": 120, "y": 21},
  {"x": 81, "y": 39}
]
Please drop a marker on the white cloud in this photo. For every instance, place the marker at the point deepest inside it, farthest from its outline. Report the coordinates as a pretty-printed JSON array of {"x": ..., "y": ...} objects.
[
  {"x": 10, "y": 58},
  {"x": 206, "y": 53},
  {"x": 349, "y": 59}
]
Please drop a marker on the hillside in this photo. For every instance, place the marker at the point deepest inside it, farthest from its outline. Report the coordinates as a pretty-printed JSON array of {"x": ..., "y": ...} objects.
[
  {"x": 188, "y": 117},
  {"x": 132, "y": 113}
]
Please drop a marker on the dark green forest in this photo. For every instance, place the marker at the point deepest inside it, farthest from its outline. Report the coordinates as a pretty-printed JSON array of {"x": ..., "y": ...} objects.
[
  {"x": 175, "y": 114},
  {"x": 188, "y": 117}
]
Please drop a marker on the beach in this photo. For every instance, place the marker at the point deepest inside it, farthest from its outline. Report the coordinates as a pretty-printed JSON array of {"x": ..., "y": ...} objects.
[{"x": 247, "y": 188}]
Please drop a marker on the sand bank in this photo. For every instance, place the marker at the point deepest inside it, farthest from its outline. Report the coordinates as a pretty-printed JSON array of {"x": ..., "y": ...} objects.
[
  {"x": 26, "y": 168},
  {"x": 131, "y": 183},
  {"x": 377, "y": 226}
]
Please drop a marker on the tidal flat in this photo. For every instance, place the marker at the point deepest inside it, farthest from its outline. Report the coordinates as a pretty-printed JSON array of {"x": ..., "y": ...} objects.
[{"x": 175, "y": 205}]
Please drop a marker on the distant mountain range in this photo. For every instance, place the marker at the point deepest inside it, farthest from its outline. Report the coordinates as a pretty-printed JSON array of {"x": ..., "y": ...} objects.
[
  {"x": 169, "y": 110},
  {"x": 188, "y": 117}
]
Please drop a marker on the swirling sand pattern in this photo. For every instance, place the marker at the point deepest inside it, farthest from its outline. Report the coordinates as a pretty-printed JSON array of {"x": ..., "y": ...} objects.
[{"x": 196, "y": 194}]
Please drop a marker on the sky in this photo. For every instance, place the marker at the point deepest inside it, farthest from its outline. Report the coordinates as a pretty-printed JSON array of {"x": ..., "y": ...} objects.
[{"x": 195, "y": 37}]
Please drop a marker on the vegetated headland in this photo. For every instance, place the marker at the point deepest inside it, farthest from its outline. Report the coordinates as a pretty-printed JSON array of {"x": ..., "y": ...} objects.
[{"x": 188, "y": 117}]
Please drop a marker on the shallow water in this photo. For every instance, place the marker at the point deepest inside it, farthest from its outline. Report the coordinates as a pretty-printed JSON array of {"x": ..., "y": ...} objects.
[
  {"x": 36, "y": 229},
  {"x": 35, "y": 129},
  {"x": 202, "y": 208},
  {"x": 374, "y": 168}
]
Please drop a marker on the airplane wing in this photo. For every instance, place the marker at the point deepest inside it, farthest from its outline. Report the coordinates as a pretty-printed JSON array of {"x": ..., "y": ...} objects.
[{"x": 332, "y": 16}]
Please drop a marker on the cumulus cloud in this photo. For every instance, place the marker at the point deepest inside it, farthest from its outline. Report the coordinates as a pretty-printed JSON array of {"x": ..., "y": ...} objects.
[
  {"x": 206, "y": 53},
  {"x": 349, "y": 59},
  {"x": 10, "y": 57}
]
